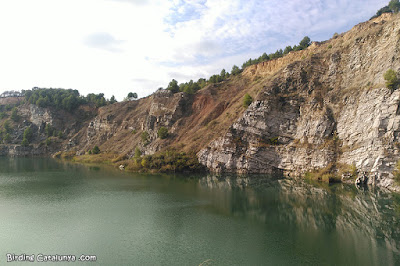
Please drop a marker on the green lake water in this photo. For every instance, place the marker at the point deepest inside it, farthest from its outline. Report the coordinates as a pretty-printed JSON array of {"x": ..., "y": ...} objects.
[{"x": 50, "y": 207}]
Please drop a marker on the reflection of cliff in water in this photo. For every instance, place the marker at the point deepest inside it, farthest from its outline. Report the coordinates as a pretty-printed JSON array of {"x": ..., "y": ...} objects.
[{"x": 364, "y": 219}]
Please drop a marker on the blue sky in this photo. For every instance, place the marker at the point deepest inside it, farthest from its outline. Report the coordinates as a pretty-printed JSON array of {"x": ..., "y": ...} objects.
[{"x": 118, "y": 46}]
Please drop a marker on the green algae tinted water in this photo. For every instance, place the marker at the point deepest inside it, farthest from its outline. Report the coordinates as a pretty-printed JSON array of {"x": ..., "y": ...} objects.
[{"x": 53, "y": 208}]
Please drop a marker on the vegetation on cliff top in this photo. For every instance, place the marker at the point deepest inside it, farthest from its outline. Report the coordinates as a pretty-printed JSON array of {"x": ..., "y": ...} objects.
[
  {"x": 192, "y": 86},
  {"x": 64, "y": 99},
  {"x": 392, "y": 7}
]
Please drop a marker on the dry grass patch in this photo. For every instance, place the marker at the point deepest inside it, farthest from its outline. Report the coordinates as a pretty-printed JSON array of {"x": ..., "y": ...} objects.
[{"x": 326, "y": 174}]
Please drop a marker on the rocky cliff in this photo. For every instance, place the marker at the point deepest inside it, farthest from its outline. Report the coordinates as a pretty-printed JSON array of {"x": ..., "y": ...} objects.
[
  {"x": 329, "y": 107},
  {"x": 323, "y": 107}
]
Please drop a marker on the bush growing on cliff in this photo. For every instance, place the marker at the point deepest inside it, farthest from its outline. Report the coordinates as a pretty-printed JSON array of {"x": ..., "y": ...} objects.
[
  {"x": 173, "y": 86},
  {"x": 25, "y": 142},
  {"x": 247, "y": 100},
  {"x": 113, "y": 100},
  {"x": 49, "y": 130},
  {"x": 304, "y": 43},
  {"x": 138, "y": 153},
  {"x": 215, "y": 79},
  {"x": 132, "y": 96},
  {"x": 28, "y": 134},
  {"x": 287, "y": 50},
  {"x": 96, "y": 150},
  {"x": 14, "y": 115},
  {"x": 224, "y": 74},
  {"x": 145, "y": 137},
  {"x": 7, "y": 138},
  {"x": 391, "y": 79},
  {"x": 7, "y": 126},
  {"x": 235, "y": 70},
  {"x": 189, "y": 87},
  {"x": 162, "y": 133}
]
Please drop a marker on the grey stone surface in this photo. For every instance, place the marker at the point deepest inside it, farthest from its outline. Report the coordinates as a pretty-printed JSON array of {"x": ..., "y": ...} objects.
[{"x": 332, "y": 108}]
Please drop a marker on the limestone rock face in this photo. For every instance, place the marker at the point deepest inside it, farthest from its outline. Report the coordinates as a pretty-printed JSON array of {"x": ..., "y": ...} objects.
[
  {"x": 331, "y": 107},
  {"x": 162, "y": 109},
  {"x": 38, "y": 115}
]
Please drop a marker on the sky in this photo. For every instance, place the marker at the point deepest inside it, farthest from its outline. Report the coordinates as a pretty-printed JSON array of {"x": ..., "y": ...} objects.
[{"x": 120, "y": 46}]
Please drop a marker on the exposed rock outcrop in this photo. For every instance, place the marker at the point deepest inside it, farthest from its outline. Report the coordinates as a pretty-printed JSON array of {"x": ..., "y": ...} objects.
[{"x": 326, "y": 109}]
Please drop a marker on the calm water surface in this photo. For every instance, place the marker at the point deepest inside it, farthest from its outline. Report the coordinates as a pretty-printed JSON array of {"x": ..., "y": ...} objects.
[{"x": 49, "y": 207}]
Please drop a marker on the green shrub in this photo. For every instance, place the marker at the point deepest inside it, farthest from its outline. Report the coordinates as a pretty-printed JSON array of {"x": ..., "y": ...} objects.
[
  {"x": 247, "y": 100},
  {"x": 146, "y": 162},
  {"x": 391, "y": 79},
  {"x": 235, "y": 70},
  {"x": 173, "y": 86},
  {"x": 274, "y": 141},
  {"x": 28, "y": 134},
  {"x": 96, "y": 150},
  {"x": 7, "y": 138},
  {"x": 162, "y": 133},
  {"x": 49, "y": 130},
  {"x": 48, "y": 141},
  {"x": 138, "y": 153},
  {"x": 145, "y": 137},
  {"x": 25, "y": 142},
  {"x": 14, "y": 115},
  {"x": 7, "y": 126}
]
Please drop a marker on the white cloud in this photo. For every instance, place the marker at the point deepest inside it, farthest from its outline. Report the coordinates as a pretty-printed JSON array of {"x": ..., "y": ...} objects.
[
  {"x": 103, "y": 40},
  {"x": 118, "y": 46},
  {"x": 134, "y": 2}
]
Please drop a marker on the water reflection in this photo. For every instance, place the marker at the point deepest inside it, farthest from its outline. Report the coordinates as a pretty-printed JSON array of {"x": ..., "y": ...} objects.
[
  {"x": 185, "y": 220},
  {"x": 367, "y": 220},
  {"x": 43, "y": 179}
]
